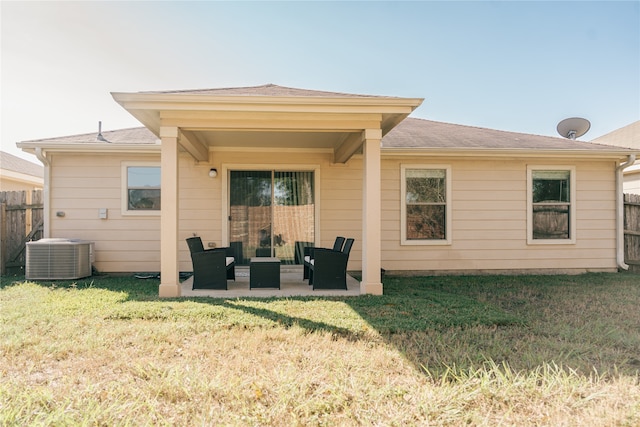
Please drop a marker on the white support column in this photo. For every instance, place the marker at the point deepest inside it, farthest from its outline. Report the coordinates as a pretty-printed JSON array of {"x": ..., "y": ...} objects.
[
  {"x": 169, "y": 274},
  {"x": 371, "y": 282}
]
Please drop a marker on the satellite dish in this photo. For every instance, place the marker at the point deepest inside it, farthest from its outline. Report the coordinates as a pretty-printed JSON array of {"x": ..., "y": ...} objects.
[{"x": 573, "y": 127}]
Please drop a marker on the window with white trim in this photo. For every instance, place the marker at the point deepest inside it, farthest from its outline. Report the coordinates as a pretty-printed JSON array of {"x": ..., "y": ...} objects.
[
  {"x": 141, "y": 188},
  {"x": 551, "y": 204},
  {"x": 426, "y": 204}
]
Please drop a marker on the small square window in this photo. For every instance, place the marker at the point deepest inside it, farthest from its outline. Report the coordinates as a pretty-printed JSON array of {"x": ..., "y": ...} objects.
[{"x": 141, "y": 188}]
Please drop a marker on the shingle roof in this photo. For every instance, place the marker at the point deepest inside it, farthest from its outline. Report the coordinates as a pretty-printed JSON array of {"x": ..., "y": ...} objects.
[
  {"x": 421, "y": 133},
  {"x": 139, "y": 135},
  {"x": 410, "y": 133},
  {"x": 17, "y": 164},
  {"x": 265, "y": 90}
]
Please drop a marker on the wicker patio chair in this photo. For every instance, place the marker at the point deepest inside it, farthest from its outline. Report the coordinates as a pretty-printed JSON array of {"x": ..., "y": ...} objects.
[
  {"x": 328, "y": 268},
  {"x": 211, "y": 267},
  {"x": 308, "y": 255}
]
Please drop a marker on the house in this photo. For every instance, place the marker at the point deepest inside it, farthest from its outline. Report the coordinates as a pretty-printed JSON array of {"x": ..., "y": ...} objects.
[
  {"x": 627, "y": 136},
  {"x": 17, "y": 174},
  {"x": 272, "y": 167}
]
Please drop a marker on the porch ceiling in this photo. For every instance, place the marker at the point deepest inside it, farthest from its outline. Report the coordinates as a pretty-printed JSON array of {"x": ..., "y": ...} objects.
[
  {"x": 274, "y": 139},
  {"x": 304, "y": 122}
]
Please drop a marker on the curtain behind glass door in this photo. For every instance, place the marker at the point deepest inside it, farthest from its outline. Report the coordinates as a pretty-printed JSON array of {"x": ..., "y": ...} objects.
[{"x": 293, "y": 215}]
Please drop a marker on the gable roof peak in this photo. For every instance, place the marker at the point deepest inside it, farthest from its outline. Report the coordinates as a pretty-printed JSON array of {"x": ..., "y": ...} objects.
[{"x": 269, "y": 89}]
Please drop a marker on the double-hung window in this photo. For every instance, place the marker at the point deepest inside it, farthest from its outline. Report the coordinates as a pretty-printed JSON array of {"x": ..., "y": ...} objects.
[
  {"x": 141, "y": 188},
  {"x": 551, "y": 204},
  {"x": 426, "y": 204}
]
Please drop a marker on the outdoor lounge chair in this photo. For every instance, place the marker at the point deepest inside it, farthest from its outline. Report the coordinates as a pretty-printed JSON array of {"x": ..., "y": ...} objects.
[
  {"x": 308, "y": 255},
  {"x": 328, "y": 269},
  {"x": 211, "y": 267}
]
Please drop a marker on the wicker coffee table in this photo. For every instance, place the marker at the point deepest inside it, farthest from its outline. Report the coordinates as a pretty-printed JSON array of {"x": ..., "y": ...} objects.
[{"x": 264, "y": 272}]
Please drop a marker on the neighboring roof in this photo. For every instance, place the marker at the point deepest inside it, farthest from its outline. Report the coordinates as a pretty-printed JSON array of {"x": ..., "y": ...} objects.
[
  {"x": 13, "y": 163},
  {"x": 264, "y": 90},
  {"x": 421, "y": 133},
  {"x": 627, "y": 136}
]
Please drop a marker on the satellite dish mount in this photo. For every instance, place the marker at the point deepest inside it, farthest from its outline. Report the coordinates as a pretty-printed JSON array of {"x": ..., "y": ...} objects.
[{"x": 573, "y": 127}]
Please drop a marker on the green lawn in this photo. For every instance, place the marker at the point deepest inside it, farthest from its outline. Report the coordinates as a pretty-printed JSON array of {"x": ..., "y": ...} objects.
[{"x": 464, "y": 350}]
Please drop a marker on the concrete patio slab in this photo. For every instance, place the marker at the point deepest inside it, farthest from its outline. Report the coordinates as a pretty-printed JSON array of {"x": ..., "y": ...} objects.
[{"x": 291, "y": 284}]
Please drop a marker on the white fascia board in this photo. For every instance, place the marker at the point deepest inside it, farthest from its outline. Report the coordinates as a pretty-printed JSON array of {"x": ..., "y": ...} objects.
[
  {"x": 89, "y": 148},
  {"x": 489, "y": 152},
  {"x": 172, "y": 98}
]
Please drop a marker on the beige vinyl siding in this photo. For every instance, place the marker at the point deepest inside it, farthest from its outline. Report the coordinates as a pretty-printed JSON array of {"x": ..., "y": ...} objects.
[
  {"x": 83, "y": 183},
  {"x": 341, "y": 206},
  {"x": 596, "y": 214},
  {"x": 489, "y": 200},
  {"x": 200, "y": 210},
  {"x": 489, "y": 215}
]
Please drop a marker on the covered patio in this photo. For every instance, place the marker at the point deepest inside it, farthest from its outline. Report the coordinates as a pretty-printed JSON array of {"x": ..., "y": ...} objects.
[
  {"x": 273, "y": 120},
  {"x": 291, "y": 285}
]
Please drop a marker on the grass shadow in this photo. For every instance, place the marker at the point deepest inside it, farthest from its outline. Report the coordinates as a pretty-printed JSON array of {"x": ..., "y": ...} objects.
[{"x": 585, "y": 323}]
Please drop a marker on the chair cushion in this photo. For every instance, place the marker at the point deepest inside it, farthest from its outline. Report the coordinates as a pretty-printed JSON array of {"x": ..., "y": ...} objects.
[{"x": 229, "y": 260}]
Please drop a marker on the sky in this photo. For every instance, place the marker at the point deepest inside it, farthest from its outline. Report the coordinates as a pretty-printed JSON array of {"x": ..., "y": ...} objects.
[{"x": 519, "y": 66}]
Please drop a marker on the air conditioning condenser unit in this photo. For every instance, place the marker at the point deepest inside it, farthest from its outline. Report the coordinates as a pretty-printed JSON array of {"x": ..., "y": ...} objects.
[{"x": 58, "y": 259}]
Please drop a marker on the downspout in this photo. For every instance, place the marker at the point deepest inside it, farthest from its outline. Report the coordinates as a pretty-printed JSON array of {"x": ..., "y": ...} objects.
[
  {"x": 620, "y": 212},
  {"x": 42, "y": 156}
]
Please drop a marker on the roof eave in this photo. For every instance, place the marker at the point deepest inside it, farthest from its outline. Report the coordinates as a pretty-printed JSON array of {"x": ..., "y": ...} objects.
[
  {"x": 391, "y": 152},
  {"x": 22, "y": 177},
  {"x": 30, "y": 147},
  {"x": 160, "y": 98},
  {"x": 619, "y": 154},
  {"x": 146, "y": 107}
]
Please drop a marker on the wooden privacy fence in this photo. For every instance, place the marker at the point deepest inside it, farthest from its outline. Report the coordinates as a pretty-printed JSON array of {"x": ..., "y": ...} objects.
[
  {"x": 21, "y": 220},
  {"x": 632, "y": 231}
]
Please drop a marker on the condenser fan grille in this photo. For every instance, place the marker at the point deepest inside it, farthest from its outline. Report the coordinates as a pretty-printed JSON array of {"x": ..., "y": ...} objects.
[{"x": 58, "y": 259}]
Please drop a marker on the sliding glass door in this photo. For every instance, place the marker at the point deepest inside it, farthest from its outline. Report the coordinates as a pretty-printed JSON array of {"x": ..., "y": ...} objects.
[{"x": 272, "y": 213}]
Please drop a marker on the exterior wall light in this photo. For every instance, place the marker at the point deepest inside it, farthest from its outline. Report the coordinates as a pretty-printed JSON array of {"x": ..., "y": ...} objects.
[{"x": 213, "y": 172}]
